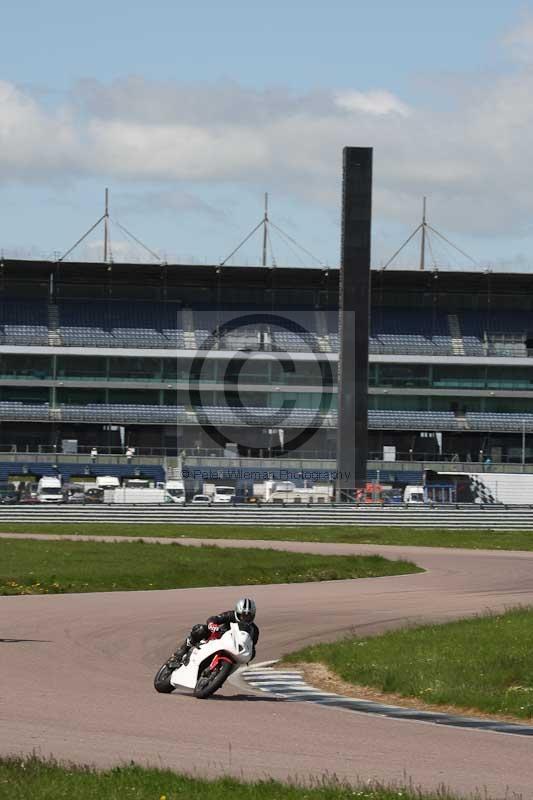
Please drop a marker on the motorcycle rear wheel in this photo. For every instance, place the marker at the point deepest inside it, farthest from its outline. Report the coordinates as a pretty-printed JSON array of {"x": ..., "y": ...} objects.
[
  {"x": 162, "y": 680},
  {"x": 210, "y": 680}
]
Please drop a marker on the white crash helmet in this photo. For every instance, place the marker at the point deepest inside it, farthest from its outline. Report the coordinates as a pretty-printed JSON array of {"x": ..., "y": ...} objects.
[{"x": 245, "y": 609}]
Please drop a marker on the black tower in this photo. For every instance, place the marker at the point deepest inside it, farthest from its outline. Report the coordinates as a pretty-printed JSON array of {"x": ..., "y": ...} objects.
[{"x": 354, "y": 313}]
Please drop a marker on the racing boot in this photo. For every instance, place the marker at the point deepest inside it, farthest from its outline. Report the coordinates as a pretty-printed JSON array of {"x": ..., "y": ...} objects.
[{"x": 178, "y": 657}]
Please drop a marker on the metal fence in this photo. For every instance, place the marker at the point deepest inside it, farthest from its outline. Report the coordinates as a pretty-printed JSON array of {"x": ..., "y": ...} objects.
[{"x": 439, "y": 517}]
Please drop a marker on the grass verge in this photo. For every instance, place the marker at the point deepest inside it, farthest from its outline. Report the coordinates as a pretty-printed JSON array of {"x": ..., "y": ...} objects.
[
  {"x": 40, "y": 780},
  {"x": 424, "y": 537},
  {"x": 33, "y": 567},
  {"x": 480, "y": 664}
]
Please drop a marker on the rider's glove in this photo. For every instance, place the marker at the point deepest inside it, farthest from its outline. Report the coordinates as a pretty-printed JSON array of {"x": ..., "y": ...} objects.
[{"x": 213, "y": 627}]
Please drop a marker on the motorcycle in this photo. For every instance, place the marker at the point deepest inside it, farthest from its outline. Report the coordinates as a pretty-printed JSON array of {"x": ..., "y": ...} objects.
[{"x": 208, "y": 664}]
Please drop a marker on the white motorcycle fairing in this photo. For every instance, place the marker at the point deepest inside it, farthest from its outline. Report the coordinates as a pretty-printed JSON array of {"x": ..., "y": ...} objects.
[{"x": 235, "y": 645}]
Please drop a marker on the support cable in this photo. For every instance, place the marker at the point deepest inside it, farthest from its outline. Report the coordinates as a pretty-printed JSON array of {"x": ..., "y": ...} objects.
[
  {"x": 266, "y": 222},
  {"x": 397, "y": 253},
  {"x": 431, "y": 228},
  {"x": 307, "y": 252},
  {"x": 292, "y": 250},
  {"x": 222, "y": 263},
  {"x": 96, "y": 224},
  {"x": 135, "y": 239}
]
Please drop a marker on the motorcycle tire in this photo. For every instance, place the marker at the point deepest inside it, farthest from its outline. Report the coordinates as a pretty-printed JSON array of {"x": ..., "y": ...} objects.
[
  {"x": 162, "y": 680},
  {"x": 211, "y": 680}
]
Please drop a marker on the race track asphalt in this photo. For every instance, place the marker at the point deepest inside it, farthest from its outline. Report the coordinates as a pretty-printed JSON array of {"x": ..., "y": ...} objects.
[{"x": 76, "y": 678}]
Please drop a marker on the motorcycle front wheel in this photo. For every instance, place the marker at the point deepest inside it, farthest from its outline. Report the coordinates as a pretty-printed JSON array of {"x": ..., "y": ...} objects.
[
  {"x": 210, "y": 680},
  {"x": 162, "y": 680}
]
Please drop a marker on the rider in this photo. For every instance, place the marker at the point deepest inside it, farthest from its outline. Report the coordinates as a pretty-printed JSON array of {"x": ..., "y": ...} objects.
[{"x": 244, "y": 612}]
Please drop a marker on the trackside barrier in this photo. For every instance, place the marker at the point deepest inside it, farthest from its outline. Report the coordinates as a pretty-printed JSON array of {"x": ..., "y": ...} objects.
[{"x": 470, "y": 517}]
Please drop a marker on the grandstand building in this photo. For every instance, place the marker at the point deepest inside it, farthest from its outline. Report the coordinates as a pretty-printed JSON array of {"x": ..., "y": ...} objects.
[{"x": 213, "y": 360}]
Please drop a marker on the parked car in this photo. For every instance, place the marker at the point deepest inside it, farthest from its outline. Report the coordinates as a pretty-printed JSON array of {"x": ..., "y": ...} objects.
[
  {"x": 74, "y": 493},
  {"x": 201, "y": 500},
  {"x": 8, "y": 493},
  {"x": 94, "y": 495},
  {"x": 29, "y": 493}
]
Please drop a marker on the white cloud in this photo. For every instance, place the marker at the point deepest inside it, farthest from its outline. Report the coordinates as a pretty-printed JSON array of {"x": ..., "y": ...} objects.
[
  {"x": 377, "y": 102},
  {"x": 519, "y": 40},
  {"x": 473, "y": 156},
  {"x": 34, "y": 141}
]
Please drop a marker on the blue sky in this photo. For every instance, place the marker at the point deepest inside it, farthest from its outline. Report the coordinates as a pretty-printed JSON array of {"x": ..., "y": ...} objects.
[{"x": 189, "y": 114}]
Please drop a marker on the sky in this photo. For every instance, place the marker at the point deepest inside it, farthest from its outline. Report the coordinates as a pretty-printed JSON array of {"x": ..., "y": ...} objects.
[{"x": 190, "y": 113}]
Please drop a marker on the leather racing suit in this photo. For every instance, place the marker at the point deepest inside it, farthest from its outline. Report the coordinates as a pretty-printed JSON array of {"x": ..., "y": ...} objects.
[{"x": 215, "y": 626}]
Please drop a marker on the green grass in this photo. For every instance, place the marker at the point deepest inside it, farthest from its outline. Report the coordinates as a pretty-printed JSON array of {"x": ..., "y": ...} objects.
[
  {"x": 33, "y": 567},
  {"x": 21, "y": 779},
  {"x": 475, "y": 540},
  {"x": 482, "y": 663}
]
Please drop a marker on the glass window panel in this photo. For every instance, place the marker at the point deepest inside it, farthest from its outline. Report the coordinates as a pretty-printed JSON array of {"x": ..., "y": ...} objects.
[
  {"x": 26, "y": 366},
  {"x": 25, "y": 394},
  {"x": 76, "y": 396},
  {"x": 141, "y": 368},
  {"x": 148, "y": 396},
  {"x": 89, "y": 367}
]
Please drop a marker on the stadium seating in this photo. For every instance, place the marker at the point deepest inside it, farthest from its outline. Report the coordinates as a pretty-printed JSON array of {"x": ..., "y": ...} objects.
[
  {"x": 23, "y": 322},
  {"x": 498, "y": 333},
  {"x": 408, "y": 476},
  {"x": 220, "y": 415},
  {"x": 13, "y": 410},
  {"x": 409, "y": 331},
  {"x": 266, "y": 417},
  {"x": 129, "y": 413},
  {"x": 149, "y": 471},
  {"x": 506, "y": 422},
  {"x": 413, "y": 420},
  {"x": 145, "y": 324},
  {"x": 118, "y": 323}
]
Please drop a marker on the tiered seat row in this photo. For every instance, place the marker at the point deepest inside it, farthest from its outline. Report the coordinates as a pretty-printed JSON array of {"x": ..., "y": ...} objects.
[
  {"x": 409, "y": 331},
  {"x": 120, "y": 324},
  {"x": 266, "y": 417},
  {"x": 23, "y": 322},
  {"x": 413, "y": 420},
  {"x": 122, "y": 413},
  {"x": 259, "y": 416},
  {"x": 496, "y": 333},
  {"x": 506, "y": 422},
  {"x": 13, "y": 409},
  {"x": 143, "y": 324},
  {"x": 215, "y": 415},
  {"x": 38, "y": 468}
]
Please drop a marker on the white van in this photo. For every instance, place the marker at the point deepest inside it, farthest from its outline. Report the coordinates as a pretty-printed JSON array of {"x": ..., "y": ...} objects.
[
  {"x": 224, "y": 494},
  {"x": 175, "y": 492},
  {"x": 414, "y": 495},
  {"x": 107, "y": 482},
  {"x": 137, "y": 483},
  {"x": 49, "y": 490}
]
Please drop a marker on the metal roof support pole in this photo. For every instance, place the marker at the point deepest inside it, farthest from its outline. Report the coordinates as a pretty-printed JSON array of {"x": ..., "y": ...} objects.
[
  {"x": 423, "y": 242},
  {"x": 106, "y": 224},
  {"x": 265, "y": 231}
]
